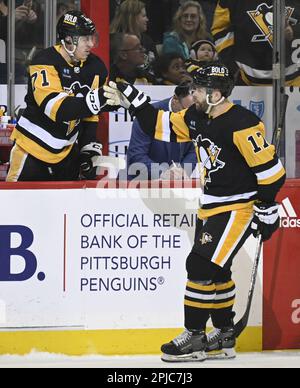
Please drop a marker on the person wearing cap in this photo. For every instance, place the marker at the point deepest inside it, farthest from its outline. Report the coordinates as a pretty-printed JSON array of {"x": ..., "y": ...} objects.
[
  {"x": 202, "y": 52},
  {"x": 156, "y": 159},
  {"x": 55, "y": 138},
  {"x": 241, "y": 175}
]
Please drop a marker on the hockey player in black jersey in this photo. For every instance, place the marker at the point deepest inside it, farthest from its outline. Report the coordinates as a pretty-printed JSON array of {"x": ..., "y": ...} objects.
[
  {"x": 241, "y": 175},
  {"x": 55, "y": 138}
]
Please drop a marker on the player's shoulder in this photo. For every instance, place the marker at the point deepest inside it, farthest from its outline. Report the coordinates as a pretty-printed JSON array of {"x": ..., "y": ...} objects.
[
  {"x": 96, "y": 62},
  {"x": 242, "y": 118},
  {"x": 48, "y": 56}
]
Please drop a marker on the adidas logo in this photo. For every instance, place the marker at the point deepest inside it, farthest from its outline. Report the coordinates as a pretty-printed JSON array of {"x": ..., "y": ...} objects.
[{"x": 288, "y": 216}]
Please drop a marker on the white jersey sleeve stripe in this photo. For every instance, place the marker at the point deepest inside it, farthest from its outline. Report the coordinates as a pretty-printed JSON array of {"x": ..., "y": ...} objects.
[
  {"x": 45, "y": 136},
  {"x": 166, "y": 135},
  {"x": 52, "y": 102},
  {"x": 269, "y": 173}
]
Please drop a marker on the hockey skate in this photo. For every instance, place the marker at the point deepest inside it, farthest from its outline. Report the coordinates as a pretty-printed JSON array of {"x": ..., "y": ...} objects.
[
  {"x": 220, "y": 343},
  {"x": 188, "y": 346}
]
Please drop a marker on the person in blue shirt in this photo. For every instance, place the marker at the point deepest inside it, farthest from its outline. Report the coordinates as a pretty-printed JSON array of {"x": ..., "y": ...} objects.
[{"x": 148, "y": 158}]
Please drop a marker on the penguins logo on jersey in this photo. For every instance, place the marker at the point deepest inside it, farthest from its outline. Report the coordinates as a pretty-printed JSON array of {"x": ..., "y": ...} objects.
[
  {"x": 263, "y": 18},
  {"x": 209, "y": 156},
  {"x": 78, "y": 91},
  {"x": 206, "y": 238}
]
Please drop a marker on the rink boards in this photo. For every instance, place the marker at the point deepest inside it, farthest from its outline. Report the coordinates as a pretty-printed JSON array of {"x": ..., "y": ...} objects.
[{"x": 101, "y": 270}]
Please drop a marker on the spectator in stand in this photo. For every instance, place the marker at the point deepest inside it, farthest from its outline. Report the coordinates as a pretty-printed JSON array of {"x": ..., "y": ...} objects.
[
  {"x": 29, "y": 35},
  {"x": 155, "y": 159},
  {"x": 160, "y": 17},
  {"x": 63, "y": 7},
  {"x": 208, "y": 7},
  {"x": 202, "y": 52},
  {"x": 189, "y": 26},
  {"x": 128, "y": 60},
  {"x": 131, "y": 18},
  {"x": 243, "y": 34},
  {"x": 3, "y": 20},
  {"x": 170, "y": 69}
]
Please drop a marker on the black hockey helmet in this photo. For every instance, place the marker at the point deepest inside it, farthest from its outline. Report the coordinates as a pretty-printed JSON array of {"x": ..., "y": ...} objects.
[
  {"x": 74, "y": 23},
  {"x": 214, "y": 76}
]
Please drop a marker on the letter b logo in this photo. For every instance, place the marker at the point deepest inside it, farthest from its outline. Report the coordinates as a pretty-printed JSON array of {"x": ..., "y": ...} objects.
[{"x": 7, "y": 252}]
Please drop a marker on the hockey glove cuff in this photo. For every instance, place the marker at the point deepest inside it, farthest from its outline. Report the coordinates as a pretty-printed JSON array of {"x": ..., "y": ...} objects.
[
  {"x": 126, "y": 96},
  {"x": 266, "y": 219},
  {"x": 88, "y": 160},
  {"x": 95, "y": 100}
]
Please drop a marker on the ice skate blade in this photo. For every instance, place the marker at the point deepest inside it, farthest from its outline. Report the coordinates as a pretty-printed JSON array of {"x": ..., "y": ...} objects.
[
  {"x": 192, "y": 357},
  {"x": 223, "y": 354}
]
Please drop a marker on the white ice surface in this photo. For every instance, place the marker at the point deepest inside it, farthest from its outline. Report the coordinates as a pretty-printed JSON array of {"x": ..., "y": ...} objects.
[{"x": 278, "y": 359}]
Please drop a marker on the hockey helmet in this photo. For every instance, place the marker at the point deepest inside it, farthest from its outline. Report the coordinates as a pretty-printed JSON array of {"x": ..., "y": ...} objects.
[
  {"x": 214, "y": 76},
  {"x": 74, "y": 23}
]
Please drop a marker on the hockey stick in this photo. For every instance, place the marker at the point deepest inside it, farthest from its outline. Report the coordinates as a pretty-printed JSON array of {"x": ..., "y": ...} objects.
[{"x": 242, "y": 323}]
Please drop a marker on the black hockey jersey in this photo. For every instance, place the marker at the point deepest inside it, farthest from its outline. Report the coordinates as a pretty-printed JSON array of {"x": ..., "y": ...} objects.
[
  {"x": 243, "y": 34},
  {"x": 56, "y": 105},
  {"x": 238, "y": 165}
]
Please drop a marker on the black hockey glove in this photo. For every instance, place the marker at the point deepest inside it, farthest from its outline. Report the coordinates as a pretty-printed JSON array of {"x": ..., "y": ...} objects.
[
  {"x": 95, "y": 100},
  {"x": 88, "y": 160},
  {"x": 125, "y": 95},
  {"x": 266, "y": 219}
]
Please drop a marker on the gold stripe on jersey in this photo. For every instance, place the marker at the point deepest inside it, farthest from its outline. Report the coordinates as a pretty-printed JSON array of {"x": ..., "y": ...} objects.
[
  {"x": 225, "y": 286},
  {"x": 225, "y": 295},
  {"x": 17, "y": 160},
  {"x": 199, "y": 295},
  {"x": 293, "y": 82},
  {"x": 209, "y": 306},
  {"x": 198, "y": 304},
  {"x": 159, "y": 130},
  {"x": 168, "y": 123},
  {"x": 236, "y": 227},
  {"x": 206, "y": 213},
  {"x": 96, "y": 81},
  {"x": 179, "y": 126},
  {"x": 221, "y": 20},
  {"x": 271, "y": 175},
  {"x": 244, "y": 141},
  {"x": 272, "y": 179},
  {"x": 200, "y": 287},
  {"x": 92, "y": 119},
  {"x": 52, "y": 111},
  {"x": 222, "y": 44},
  {"x": 37, "y": 151},
  {"x": 223, "y": 305}
]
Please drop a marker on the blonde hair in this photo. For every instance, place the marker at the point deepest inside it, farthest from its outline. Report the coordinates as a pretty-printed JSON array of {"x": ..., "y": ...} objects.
[
  {"x": 125, "y": 17},
  {"x": 201, "y": 32}
]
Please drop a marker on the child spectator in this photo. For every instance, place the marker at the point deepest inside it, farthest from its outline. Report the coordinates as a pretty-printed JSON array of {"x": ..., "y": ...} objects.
[{"x": 169, "y": 69}]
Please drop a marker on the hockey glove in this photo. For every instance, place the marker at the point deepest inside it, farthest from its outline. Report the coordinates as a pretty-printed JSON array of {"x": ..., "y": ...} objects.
[
  {"x": 95, "y": 100},
  {"x": 126, "y": 96},
  {"x": 266, "y": 219},
  {"x": 88, "y": 160}
]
